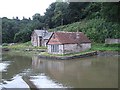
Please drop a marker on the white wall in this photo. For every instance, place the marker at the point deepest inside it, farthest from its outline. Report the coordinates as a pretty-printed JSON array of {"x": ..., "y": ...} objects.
[
  {"x": 44, "y": 42},
  {"x": 34, "y": 43},
  {"x": 49, "y": 48},
  {"x": 70, "y": 48},
  {"x": 60, "y": 49},
  {"x": 38, "y": 41}
]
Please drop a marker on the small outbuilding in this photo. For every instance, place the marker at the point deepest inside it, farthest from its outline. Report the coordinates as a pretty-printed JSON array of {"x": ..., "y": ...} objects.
[
  {"x": 68, "y": 42},
  {"x": 112, "y": 41},
  {"x": 40, "y": 37}
]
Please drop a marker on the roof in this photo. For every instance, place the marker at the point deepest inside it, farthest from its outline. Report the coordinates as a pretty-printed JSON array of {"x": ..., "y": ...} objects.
[
  {"x": 69, "y": 38},
  {"x": 48, "y": 35},
  {"x": 40, "y": 32}
]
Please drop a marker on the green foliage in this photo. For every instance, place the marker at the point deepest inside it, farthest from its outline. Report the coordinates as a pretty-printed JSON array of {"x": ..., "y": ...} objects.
[
  {"x": 23, "y": 36},
  {"x": 96, "y": 29},
  {"x": 105, "y": 47},
  {"x": 4, "y": 44},
  {"x": 97, "y": 20},
  {"x": 9, "y": 28},
  {"x": 110, "y": 11},
  {"x": 28, "y": 43},
  {"x": 112, "y": 45},
  {"x": 15, "y": 30},
  {"x": 23, "y": 46}
]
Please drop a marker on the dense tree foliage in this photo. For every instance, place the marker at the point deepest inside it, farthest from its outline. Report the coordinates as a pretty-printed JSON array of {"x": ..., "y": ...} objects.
[
  {"x": 111, "y": 11},
  {"x": 97, "y": 20}
]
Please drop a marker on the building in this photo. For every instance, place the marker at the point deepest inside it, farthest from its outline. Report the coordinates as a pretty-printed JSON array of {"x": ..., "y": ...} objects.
[
  {"x": 68, "y": 42},
  {"x": 46, "y": 38},
  {"x": 40, "y": 37},
  {"x": 112, "y": 41}
]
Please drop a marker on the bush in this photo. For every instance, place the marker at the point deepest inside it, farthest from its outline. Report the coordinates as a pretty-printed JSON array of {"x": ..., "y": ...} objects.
[
  {"x": 112, "y": 45},
  {"x": 96, "y": 29},
  {"x": 4, "y": 44}
]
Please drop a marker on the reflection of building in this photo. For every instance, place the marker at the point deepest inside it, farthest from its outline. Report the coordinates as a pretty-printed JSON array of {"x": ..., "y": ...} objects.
[
  {"x": 57, "y": 66},
  {"x": 62, "y": 71},
  {"x": 37, "y": 64},
  {"x": 88, "y": 72},
  {"x": 45, "y": 65}
]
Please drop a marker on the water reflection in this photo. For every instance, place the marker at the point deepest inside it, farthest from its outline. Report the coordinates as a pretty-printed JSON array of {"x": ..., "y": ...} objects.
[
  {"x": 89, "y": 72},
  {"x": 17, "y": 65}
]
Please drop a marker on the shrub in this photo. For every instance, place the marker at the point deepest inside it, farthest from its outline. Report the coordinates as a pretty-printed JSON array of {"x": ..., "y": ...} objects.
[
  {"x": 96, "y": 29},
  {"x": 4, "y": 44}
]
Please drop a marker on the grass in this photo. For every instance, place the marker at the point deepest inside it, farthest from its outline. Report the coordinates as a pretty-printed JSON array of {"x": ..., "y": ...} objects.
[
  {"x": 22, "y": 46},
  {"x": 105, "y": 47},
  {"x": 95, "y": 47},
  {"x": 21, "y": 53},
  {"x": 71, "y": 54}
]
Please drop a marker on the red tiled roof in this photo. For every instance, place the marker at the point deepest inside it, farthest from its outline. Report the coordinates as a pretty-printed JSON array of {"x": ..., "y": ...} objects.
[{"x": 69, "y": 38}]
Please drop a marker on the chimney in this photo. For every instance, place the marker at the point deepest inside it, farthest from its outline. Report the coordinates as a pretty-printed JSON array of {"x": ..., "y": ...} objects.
[
  {"x": 44, "y": 32},
  {"x": 77, "y": 35}
]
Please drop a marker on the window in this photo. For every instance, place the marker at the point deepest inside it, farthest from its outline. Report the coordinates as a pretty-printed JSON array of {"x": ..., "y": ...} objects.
[{"x": 54, "y": 48}]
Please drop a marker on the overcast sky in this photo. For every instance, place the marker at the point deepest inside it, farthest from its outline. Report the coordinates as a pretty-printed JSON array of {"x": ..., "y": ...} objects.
[{"x": 20, "y": 8}]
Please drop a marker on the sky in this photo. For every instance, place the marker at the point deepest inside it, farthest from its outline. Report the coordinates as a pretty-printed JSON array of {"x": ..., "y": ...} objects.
[{"x": 20, "y": 8}]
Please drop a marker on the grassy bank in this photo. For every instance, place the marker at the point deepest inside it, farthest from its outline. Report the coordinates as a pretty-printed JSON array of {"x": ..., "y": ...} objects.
[
  {"x": 21, "y": 53},
  {"x": 105, "y": 47},
  {"x": 23, "y": 49},
  {"x": 71, "y": 54},
  {"x": 22, "y": 46},
  {"x": 95, "y": 47}
]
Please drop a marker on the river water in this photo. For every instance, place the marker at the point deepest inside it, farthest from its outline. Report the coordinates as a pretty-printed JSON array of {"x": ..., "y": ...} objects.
[{"x": 89, "y": 72}]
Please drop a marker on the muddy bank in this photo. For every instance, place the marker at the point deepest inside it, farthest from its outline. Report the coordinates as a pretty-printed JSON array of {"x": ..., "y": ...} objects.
[
  {"x": 69, "y": 57},
  {"x": 99, "y": 53},
  {"x": 108, "y": 53}
]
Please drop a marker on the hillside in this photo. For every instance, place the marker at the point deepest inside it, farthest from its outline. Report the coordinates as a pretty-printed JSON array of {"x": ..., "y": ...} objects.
[
  {"x": 97, "y": 20},
  {"x": 96, "y": 29}
]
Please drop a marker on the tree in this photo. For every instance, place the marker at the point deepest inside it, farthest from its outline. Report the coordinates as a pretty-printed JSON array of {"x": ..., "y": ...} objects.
[
  {"x": 77, "y": 11},
  {"x": 60, "y": 14},
  {"x": 23, "y": 35},
  {"x": 110, "y": 11},
  {"x": 49, "y": 14},
  {"x": 38, "y": 21},
  {"x": 9, "y": 28}
]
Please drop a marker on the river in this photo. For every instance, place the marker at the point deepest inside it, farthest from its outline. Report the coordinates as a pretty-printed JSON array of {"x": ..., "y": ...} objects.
[{"x": 89, "y": 72}]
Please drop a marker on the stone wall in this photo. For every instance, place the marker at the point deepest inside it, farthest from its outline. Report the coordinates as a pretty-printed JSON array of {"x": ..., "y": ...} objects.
[
  {"x": 112, "y": 41},
  {"x": 71, "y": 48},
  {"x": 85, "y": 46}
]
